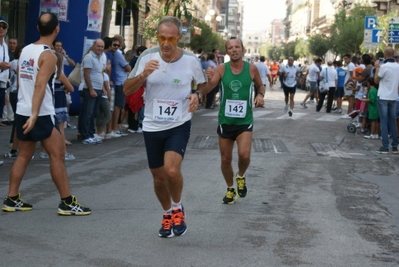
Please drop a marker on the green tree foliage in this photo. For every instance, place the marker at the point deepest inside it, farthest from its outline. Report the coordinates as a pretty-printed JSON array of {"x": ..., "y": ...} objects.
[
  {"x": 208, "y": 40},
  {"x": 318, "y": 45},
  {"x": 301, "y": 49},
  {"x": 177, "y": 8},
  {"x": 347, "y": 32},
  {"x": 275, "y": 52},
  {"x": 265, "y": 48},
  {"x": 289, "y": 50}
]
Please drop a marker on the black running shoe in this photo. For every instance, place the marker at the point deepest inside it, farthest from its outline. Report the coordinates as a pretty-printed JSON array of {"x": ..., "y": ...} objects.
[
  {"x": 166, "y": 228},
  {"x": 290, "y": 113},
  {"x": 73, "y": 208},
  {"x": 382, "y": 150},
  {"x": 15, "y": 205},
  {"x": 241, "y": 186},
  {"x": 179, "y": 221},
  {"x": 230, "y": 196}
]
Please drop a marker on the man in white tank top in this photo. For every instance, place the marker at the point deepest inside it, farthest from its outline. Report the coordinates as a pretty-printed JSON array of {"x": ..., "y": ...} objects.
[{"x": 35, "y": 120}]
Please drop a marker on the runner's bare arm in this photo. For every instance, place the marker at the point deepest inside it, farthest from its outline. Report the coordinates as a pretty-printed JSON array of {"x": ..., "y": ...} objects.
[{"x": 133, "y": 84}]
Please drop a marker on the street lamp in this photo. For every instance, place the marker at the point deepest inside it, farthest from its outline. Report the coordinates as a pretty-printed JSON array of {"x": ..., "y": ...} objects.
[
  {"x": 344, "y": 3},
  {"x": 226, "y": 34},
  {"x": 210, "y": 14}
]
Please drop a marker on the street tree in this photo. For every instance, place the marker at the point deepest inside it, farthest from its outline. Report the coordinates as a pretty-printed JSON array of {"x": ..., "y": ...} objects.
[
  {"x": 289, "y": 49},
  {"x": 208, "y": 40},
  {"x": 347, "y": 32},
  {"x": 264, "y": 49},
  {"x": 318, "y": 45},
  {"x": 301, "y": 49},
  {"x": 177, "y": 8},
  {"x": 276, "y": 52}
]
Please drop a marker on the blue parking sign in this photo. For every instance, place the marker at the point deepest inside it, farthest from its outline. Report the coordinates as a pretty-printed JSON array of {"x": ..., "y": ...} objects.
[{"x": 370, "y": 22}]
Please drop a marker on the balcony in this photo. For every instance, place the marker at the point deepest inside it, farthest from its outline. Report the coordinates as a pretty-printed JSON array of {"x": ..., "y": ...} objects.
[
  {"x": 319, "y": 21},
  {"x": 384, "y": 5}
]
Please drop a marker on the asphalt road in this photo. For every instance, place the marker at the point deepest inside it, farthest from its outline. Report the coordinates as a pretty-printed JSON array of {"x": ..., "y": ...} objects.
[{"x": 318, "y": 196}]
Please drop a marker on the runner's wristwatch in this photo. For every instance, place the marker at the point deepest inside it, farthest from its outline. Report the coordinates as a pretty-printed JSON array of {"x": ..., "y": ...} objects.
[{"x": 198, "y": 94}]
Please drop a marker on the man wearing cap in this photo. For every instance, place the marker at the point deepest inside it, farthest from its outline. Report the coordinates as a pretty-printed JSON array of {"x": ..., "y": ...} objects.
[{"x": 4, "y": 64}]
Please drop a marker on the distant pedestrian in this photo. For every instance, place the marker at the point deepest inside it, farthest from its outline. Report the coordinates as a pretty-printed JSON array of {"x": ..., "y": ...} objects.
[
  {"x": 264, "y": 73},
  {"x": 339, "y": 93},
  {"x": 290, "y": 75},
  {"x": 350, "y": 67},
  {"x": 329, "y": 76},
  {"x": 373, "y": 115},
  {"x": 93, "y": 66},
  {"x": 274, "y": 71},
  {"x": 4, "y": 65},
  {"x": 312, "y": 76}
]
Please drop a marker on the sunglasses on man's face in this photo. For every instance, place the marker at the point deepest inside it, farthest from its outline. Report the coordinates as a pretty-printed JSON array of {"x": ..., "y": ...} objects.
[
  {"x": 4, "y": 27},
  {"x": 171, "y": 40},
  {"x": 116, "y": 45}
]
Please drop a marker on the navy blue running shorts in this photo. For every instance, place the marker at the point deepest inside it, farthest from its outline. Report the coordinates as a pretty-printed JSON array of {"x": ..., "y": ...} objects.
[
  {"x": 232, "y": 131},
  {"x": 157, "y": 143},
  {"x": 42, "y": 130}
]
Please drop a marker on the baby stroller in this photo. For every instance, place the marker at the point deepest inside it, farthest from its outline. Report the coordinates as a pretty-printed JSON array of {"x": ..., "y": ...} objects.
[{"x": 354, "y": 123}]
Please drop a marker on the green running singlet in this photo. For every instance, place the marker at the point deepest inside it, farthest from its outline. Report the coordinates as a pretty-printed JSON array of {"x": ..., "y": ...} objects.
[{"x": 236, "y": 97}]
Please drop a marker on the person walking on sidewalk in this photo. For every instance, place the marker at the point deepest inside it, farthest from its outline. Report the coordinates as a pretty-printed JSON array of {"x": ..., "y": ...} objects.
[
  {"x": 330, "y": 77},
  {"x": 35, "y": 120},
  {"x": 312, "y": 75},
  {"x": 168, "y": 72},
  {"x": 235, "y": 115},
  {"x": 264, "y": 73}
]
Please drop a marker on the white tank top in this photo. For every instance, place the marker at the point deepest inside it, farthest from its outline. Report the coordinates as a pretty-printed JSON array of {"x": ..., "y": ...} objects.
[{"x": 28, "y": 69}]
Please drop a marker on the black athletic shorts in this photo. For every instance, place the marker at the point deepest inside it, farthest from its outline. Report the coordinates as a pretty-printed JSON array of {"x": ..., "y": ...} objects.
[
  {"x": 42, "y": 130},
  {"x": 232, "y": 131}
]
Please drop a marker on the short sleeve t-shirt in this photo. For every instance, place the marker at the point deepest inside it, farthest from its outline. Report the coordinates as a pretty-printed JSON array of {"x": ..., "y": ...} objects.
[
  {"x": 290, "y": 80},
  {"x": 97, "y": 65},
  {"x": 341, "y": 77},
  {"x": 166, "y": 89},
  {"x": 388, "y": 85},
  {"x": 312, "y": 73},
  {"x": 263, "y": 71}
]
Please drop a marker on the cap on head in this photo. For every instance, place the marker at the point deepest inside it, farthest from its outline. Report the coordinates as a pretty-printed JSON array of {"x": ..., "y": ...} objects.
[
  {"x": 3, "y": 19},
  {"x": 357, "y": 71}
]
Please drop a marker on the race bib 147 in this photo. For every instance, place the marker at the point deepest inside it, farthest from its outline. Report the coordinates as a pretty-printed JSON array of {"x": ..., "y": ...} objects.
[{"x": 167, "y": 110}]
